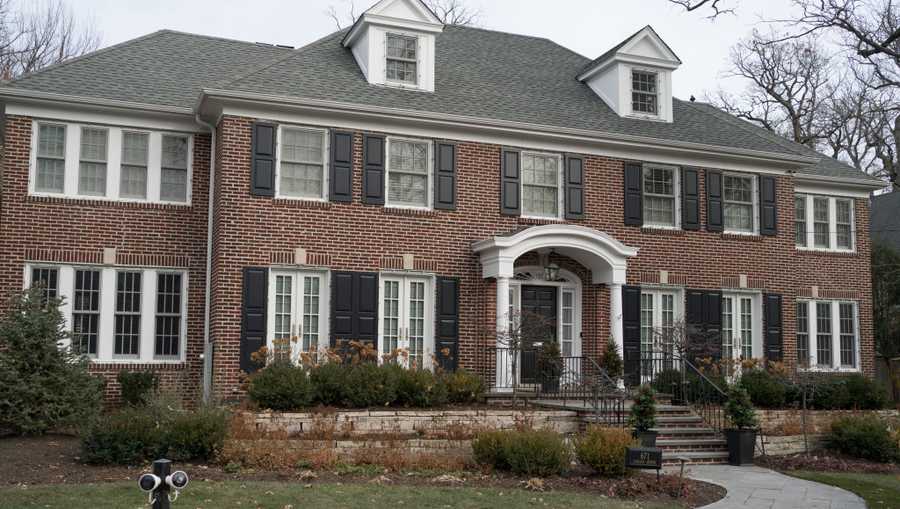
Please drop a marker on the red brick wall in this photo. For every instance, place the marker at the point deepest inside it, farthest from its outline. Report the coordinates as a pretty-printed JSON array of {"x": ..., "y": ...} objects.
[
  {"x": 86, "y": 227},
  {"x": 356, "y": 236}
]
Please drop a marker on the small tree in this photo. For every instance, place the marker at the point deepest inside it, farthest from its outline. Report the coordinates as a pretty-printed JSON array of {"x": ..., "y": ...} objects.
[
  {"x": 739, "y": 409},
  {"x": 643, "y": 412},
  {"x": 611, "y": 361},
  {"x": 44, "y": 386}
]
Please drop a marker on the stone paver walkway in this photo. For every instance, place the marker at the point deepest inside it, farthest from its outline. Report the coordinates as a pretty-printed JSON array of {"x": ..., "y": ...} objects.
[{"x": 761, "y": 488}]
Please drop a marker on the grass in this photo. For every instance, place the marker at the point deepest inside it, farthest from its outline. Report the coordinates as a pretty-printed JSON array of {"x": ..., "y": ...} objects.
[
  {"x": 281, "y": 495},
  {"x": 879, "y": 490}
]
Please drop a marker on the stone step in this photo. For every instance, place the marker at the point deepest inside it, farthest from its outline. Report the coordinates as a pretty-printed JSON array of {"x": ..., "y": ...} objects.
[
  {"x": 673, "y": 457},
  {"x": 702, "y": 444},
  {"x": 666, "y": 433}
]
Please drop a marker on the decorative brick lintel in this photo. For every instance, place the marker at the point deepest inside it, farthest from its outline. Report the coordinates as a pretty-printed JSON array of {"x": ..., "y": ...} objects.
[
  {"x": 287, "y": 258},
  {"x": 807, "y": 292},
  {"x": 138, "y": 366},
  {"x": 87, "y": 202},
  {"x": 96, "y": 258}
]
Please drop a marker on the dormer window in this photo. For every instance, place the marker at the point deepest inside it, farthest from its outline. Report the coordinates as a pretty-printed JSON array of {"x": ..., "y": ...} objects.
[
  {"x": 401, "y": 65},
  {"x": 644, "y": 92}
]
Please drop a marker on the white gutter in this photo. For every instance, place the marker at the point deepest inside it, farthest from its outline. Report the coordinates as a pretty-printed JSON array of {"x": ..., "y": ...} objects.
[
  {"x": 207, "y": 344},
  {"x": 20, "y": 94}
]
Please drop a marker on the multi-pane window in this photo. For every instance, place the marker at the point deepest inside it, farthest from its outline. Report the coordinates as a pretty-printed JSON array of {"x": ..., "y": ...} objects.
[
  {"x": 133, "y": 176},
  {"x": 746, "y": 331},
  {"x": 568, "y": 322},
  {"x": 821, "y": 237},
  {"x": 168, "y": 315},
  {"x": 647, "y": 331},
  {"x": 824, "y": 222},
  {"x": 401, "y": 64},
  {"x": 803, "y": 334},
  {"x": 416, "y": 324},
  {"x": 92, "y": 162},
  {"x": 843, "y": 224},
  {"x": 737, "y": 202},
  {"x": 51, "y": 158},
  {"x": 727, "y": 328},
  {"x": 659, "y": 313},
  {"x": 174, "y": 169},
  {"x": 284, "y": 308},
  {"x": 311, "y": 314},
  {"x": 296, "y": 315},
  {"x": 86, "y": 312},
  {"x": 405, "y": 320},
  {"x": 47, "y": 278},
  {"x": 128, "y": 314},
  {"x": 740, "y": 326},
  {"x": 408, "y": 167},
  {"x": 800, "y": 220},
  {"x": 831, "y": 327},
  {"x": 659, "y": 196},
  {"x": 823, "y": 334},
  {"x": 302, "y": 163},
  {"x": 644, "y": 93},
  {"x": 847, "y": 317},
  {"x": 390, "y": 334},
  {"x": 540, "y": 185}
]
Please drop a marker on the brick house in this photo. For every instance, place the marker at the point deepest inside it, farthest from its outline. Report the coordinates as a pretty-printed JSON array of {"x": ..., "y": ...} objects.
[{"x": 409, "y": 184}]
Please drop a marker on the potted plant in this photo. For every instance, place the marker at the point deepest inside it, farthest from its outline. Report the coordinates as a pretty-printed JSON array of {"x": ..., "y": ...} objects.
[
  {"x": 742, "y": 437},
  {"x": 643, "y": 416},
  {"x": 550, "y": 366}
]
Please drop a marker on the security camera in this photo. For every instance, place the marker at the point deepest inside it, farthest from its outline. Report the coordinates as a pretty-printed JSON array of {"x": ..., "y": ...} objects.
[
  {"x": 149, "y": 482},
  {"x": 177, "y": 480}
]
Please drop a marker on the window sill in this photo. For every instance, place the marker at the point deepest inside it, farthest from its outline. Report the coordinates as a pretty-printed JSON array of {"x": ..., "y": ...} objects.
[
  {"x": 662, "y": 230},
  {"x": 539, "y": 220},
  {"x": 102, "y": 202},
  {"x": 400, "y": 211},
  {"x": 827, "y": 252},
  {"x": 752, "y": 237},
  {"x": 827, "y": 371},
  {"x": 300, "y": 203},
  {"x": 150, "y": 365}
]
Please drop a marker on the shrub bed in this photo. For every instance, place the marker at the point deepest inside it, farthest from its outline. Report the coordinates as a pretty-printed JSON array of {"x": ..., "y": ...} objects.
[
  {"x": 846, "y": 392},
  {"x": 867, "y": 437},
  {"x": 531, "y": 452},
  {"x": 161, "y": 428},
  {"x": 603, "y": 449},
  {"x": 283, "y": 386}
]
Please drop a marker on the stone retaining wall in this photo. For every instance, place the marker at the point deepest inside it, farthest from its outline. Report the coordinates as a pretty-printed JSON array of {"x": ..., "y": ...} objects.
[
  {"x": 789, "y": 422},
  {"x": 791, "y": 444}
]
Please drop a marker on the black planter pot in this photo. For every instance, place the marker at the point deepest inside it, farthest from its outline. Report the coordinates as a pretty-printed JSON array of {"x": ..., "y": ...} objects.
[
  {"x": 741, "y": 444},
  {"x": 647, "y": 438}
]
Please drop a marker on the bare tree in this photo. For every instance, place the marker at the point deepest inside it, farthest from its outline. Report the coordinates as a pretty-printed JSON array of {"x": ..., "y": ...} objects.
[
  {"x": 790, "y": 86},
  {"x": 718, "y": 7},
  {"x": 46, "y": 33},
  {"x": 450, "y": 12}
]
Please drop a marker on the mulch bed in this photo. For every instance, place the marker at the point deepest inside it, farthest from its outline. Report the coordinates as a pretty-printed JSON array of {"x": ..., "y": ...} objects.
[
  {"x": 54, "y": 460},
  {"x": 823, "y": 461}
]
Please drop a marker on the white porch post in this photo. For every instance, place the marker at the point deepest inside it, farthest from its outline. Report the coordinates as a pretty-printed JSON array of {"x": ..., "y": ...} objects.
[
  {"x": 615, "y": 314},
  {"x": 503, "y": 377}
]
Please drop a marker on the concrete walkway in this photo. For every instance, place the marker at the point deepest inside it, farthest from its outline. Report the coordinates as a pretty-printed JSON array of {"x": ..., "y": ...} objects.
[{"x": 761, "y": 488}]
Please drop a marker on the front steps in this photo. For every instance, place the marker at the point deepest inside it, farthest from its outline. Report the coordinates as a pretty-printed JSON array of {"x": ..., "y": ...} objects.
[{"x": 682, "y": 433}]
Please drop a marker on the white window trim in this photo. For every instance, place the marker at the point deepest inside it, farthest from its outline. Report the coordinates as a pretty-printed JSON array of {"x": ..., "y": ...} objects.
[
  {"x": 657, "y": 291},
  {"x": 429, "y": 161},
  {"x": 113, "y": 163},
  {"x": 676, "y": 189},
  {"x": 428, "y": 343},
  {"x": 756, "y": 321},
  {"x": 297, "y": 308},
  {"x": 560, "y": 184},
  {"x": 754, "y": 213},
  {"x": 832, "y": 224},
  {"x": 631, "y": 91},
  {"x": 106, "y": 325},
  {"x": 326, "y": 160},
  {"x": 812, "y": 332},
  {"x": 402, "y": 84}
]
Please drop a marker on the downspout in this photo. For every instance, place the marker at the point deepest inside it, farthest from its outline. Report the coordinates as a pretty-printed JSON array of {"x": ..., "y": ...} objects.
[{"x": 207, "y": 344}]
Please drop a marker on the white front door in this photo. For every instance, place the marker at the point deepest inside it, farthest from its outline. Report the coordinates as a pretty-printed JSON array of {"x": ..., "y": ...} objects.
[
  {"x": 406, "y": 327},
  {"x": 298, "y": 318}
]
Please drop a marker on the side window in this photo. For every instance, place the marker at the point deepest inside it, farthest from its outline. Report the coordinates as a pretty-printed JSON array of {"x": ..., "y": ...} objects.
[
  {"x": 48, "y": 279},
  {"x": 92, "y": 162},
  {"x": 173, "y": 179},
  {"x": 86, "y": 312},
  {"x": 168, "y": 315},
  {"x": 302, "y": 164},
  {"x": 128, "y": 314},
  {"x": 800, "y": 220},
  {"x": 133, "y": 181},
  {"x": 51, "y": 159},
  {"x": 738, "y": 203},
  {"x": 660, "y": 196},
  {"x": 409, "y": 169}
]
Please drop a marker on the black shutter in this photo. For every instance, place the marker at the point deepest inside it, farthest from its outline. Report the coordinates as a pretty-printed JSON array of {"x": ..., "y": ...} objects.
[
  {"x": 772, "y": 323},
  {"x": 713, "y": 201},
  {"x": 262, "y": 154},
  {"x": 341, "y": 170},
  {"x": 768, "y": 206},
  {"x": 703, "y": 320},
  {"x": 690, "y": 199},
  {"x": 713, "y": 318},
  {"x": 633, "y": 194},
  {"x": 574, "y": 187},
  {"x": 448, "y": 323},
  {"x": 444, "y": 175},
  {"x": 253, "y": 315},
  {"x": 510, "y": 204},
  {"x": 354, "y": 308},
  {"x": 373, "y": 169},
  {"x": 631, "y": 334}
]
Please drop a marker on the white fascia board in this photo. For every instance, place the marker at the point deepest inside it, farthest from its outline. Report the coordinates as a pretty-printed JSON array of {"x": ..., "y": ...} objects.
[
  {"x": 834, "y": 186},
  {"x": 367, "y": 20},
  {"x": 215, "y": 103},
  {"x": 647, "y": 61}
]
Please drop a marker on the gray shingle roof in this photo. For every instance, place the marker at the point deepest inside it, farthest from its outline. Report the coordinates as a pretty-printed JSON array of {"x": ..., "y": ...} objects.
[
  {"x": 479, "y": 73},
  {"x": 884, "y": 222}
]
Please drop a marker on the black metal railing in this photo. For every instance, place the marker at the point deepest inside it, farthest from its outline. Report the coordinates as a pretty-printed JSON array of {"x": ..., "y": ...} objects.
[{"x": 671, "y": 374}]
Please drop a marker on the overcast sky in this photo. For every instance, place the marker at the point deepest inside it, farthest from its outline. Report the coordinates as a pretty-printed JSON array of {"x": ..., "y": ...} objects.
[{"x": 589, "y": 27}]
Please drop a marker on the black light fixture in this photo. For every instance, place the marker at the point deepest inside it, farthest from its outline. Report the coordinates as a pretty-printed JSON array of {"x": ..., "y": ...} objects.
[{"x": 551, "y": 270}]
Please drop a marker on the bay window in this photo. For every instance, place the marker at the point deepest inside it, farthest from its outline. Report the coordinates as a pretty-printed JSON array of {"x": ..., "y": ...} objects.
[
  {"x": 302, "y": 168},
  {"x": 739, "y": 203},
  {"x": 825, "y": 223},
  {"x": 660, "y": 196},
  {"x": 540, "y": 184},
  {"x": 408, "y": 173},
  {"x": 828, "y": 334}
]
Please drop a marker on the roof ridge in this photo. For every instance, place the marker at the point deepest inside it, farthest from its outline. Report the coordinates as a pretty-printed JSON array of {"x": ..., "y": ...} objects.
[
  {"x": 226, "y": 39},
  {"x": 86, "y": 56}
]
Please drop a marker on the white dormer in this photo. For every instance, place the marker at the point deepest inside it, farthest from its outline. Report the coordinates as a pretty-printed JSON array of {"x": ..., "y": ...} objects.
[
  {"x": 393, "y": 43},
  {"x": 635, "y": 77}
]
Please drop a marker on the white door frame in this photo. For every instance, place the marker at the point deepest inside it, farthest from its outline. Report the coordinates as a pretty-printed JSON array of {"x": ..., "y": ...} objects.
[{"x": 404, "y": 279}]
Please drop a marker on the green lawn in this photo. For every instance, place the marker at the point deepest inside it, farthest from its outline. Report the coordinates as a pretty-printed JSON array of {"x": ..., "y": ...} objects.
[
  {"x": 878, "y": 490},
  {"x": 281, "y": 495}
]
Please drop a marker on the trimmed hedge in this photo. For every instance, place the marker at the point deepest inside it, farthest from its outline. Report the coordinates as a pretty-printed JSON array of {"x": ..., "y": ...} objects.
[
  {"x": 137, "y": 386},
  {"x": 531, "y": 452},
  {"x": 867, "y": 437},
  {"x": 825, "y": 392},
  {"x": 603, "y": 449},
  {"x": 764, "y": 389},
  {"x": 281, "y": 386}
]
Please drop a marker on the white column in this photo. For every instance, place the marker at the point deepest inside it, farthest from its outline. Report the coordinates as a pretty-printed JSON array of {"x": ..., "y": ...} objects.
[
  {"x": 503, "y": 378},
  {"x": 615, "y": 314}
]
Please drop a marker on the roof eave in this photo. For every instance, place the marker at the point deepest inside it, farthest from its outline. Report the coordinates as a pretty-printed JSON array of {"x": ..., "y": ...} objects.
[
  {"x": 16, "y": 94},
  {"x": 870, "y": 184}
]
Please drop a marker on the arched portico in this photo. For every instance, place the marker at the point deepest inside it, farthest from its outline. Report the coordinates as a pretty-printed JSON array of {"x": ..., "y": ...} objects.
[{"x": 604, "y": 256}]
